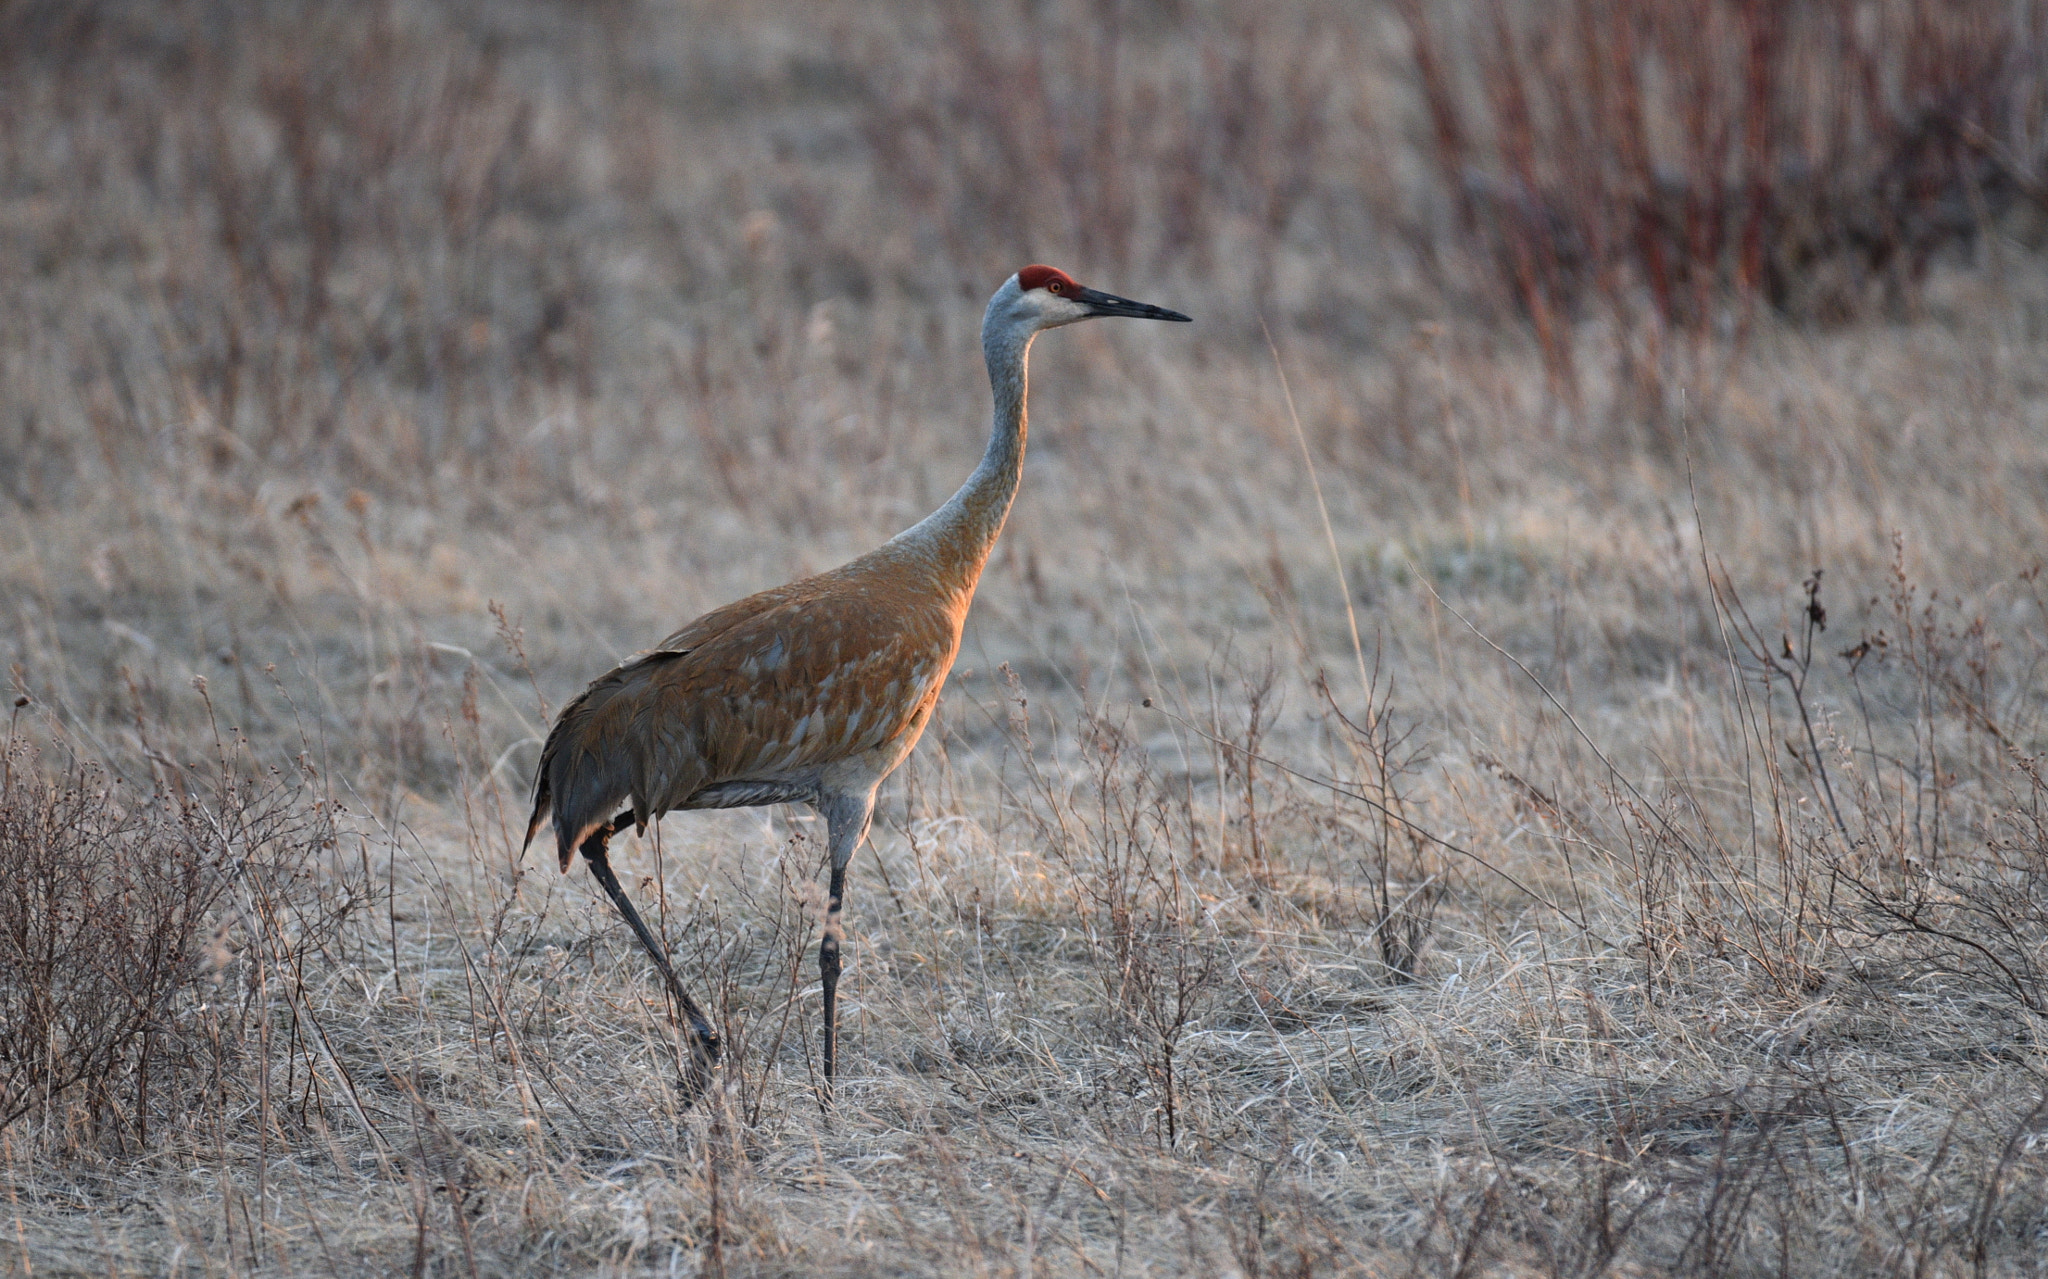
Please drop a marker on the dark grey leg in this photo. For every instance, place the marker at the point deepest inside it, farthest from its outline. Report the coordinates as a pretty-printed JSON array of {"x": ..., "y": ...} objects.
[
  {"x": 704, "y": 1041},
  {"x": 846, "y": 820},
  {"x": 828, "y": 969}
]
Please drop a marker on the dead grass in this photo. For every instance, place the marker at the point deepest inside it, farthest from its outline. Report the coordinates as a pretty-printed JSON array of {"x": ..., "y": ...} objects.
[
  {"x": 1625, "y": 906},
  {"x": 1678, "y": 165}
]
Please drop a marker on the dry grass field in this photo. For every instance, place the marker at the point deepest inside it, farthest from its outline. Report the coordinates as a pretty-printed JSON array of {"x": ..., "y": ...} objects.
[{"x": 1612, "y": 840}]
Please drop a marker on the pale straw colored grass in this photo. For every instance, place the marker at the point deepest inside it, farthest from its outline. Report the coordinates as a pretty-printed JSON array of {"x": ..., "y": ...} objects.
[{"x": 1670, "y": 1049}]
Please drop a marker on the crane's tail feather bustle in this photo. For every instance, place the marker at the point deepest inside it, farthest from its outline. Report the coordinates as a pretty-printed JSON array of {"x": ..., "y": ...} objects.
[{"x": 578, "y": 780}]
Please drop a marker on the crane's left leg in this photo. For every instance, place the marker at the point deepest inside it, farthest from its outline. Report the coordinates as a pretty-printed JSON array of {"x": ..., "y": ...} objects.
[
  {"x": 704, "y": 1042},
  {"x": 846, "y": 823}
]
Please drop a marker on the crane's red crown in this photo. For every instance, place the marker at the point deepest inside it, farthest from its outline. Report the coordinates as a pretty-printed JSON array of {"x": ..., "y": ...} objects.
[{"x": 1050, "y": 278}]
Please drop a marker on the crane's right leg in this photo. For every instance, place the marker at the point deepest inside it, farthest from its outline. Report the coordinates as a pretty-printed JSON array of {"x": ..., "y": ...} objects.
[
  {"x": 704, "y": 1042},
  {"x": 846, "y": 823}
]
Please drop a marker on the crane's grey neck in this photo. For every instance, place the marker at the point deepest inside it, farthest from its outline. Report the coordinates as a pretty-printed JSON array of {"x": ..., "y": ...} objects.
[{"x": 959, "y": 535}]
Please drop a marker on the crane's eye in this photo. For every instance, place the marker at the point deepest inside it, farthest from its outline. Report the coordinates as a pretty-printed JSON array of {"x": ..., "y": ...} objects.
[{"x": 1055, "y": 286}]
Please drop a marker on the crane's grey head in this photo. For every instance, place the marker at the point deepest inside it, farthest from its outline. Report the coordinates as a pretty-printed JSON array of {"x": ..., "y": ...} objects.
[{"x": 1045, "y": 297}]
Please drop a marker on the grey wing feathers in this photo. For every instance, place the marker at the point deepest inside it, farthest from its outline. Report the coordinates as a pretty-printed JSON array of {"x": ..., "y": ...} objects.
[
  {"x": 582, "y": 776},
  {"x": 777, "y": 686}
]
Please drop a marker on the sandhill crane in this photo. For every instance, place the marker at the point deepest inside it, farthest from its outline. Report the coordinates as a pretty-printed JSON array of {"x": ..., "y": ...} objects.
[{"x": 809, "y": 693}]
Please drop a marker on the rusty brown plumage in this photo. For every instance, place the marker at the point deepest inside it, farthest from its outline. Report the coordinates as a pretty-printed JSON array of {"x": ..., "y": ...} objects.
[
  {"x": 811, "y": 692},
  {"x": 772, "y": 691}
]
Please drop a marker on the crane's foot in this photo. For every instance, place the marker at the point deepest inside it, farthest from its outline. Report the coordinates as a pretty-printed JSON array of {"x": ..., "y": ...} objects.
[
  {"x": 698, "y": 1070},
  {"x": 704, "y": 1050}
]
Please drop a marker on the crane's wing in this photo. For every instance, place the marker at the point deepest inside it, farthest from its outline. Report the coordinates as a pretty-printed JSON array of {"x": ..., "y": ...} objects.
[
  {"x": 772, "y": 688},
  {"x": 806, "y": 684}
]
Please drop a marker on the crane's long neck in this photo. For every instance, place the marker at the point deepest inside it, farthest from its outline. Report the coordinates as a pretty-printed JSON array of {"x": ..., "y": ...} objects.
[{"x": 956, "y": 539}]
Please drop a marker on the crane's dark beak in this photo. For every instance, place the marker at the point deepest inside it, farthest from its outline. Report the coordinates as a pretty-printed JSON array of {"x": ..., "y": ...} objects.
[{"x": 1100, "y": 303}]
